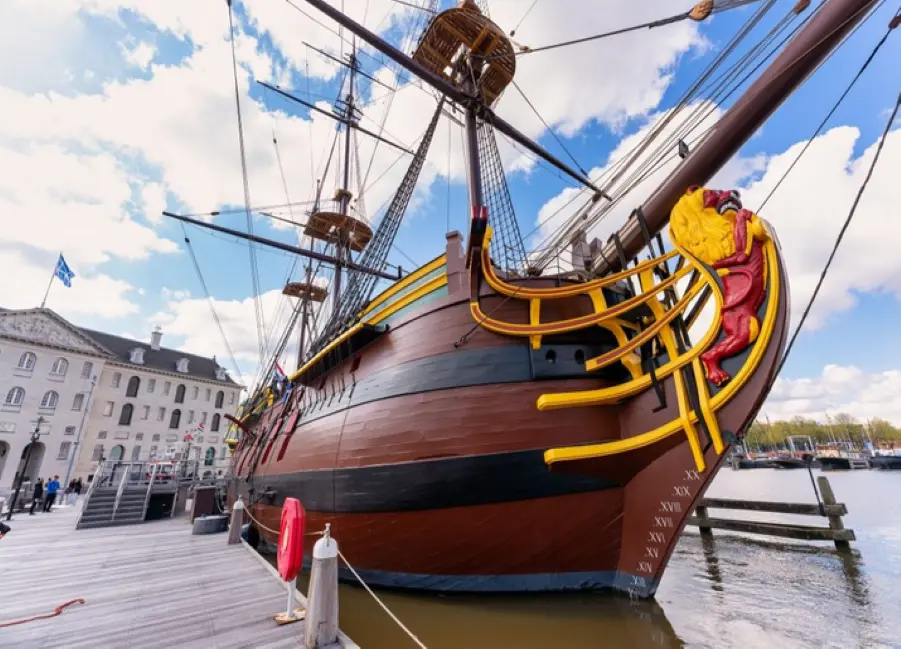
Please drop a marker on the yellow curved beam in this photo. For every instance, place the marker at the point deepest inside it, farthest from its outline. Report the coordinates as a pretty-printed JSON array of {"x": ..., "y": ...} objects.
[
  {"x": 617, "y": 393},
  {"x": 716, "y": 402},
  {"x": 572, "y": 324},
  {"x": 553, "y": 293}
]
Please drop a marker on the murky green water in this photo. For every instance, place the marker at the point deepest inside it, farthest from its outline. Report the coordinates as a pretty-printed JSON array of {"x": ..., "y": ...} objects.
[{"x": 730, "y": 592}]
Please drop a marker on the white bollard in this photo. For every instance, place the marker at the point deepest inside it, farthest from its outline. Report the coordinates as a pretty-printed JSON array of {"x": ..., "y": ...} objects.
[
  {"x": 321, "y": 628},
  {"x": 237, "y": 522}
]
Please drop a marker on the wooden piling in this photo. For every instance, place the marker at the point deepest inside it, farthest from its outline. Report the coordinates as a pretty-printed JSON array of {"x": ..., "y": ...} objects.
[
  {"x": 703, "y": 520},
  {"x": 835, "y": 521},
  {"x": 321, "y": 627},
  {"x": 236, "y": 523}
]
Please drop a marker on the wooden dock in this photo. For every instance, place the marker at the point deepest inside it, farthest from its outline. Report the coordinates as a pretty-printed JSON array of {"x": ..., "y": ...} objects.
[{"x": 144, "y": 586}]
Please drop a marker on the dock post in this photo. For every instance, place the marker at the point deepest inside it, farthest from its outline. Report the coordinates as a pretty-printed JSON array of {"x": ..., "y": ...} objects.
[
  {"x": 237, "y": 521},
  {"x": 703, "y": 523},
  {"x": 835, "y": 522},
  {"x": 321, "y": 627}
]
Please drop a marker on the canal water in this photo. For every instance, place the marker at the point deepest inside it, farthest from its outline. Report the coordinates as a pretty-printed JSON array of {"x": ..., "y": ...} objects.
[{"x": 733, "y": 591}]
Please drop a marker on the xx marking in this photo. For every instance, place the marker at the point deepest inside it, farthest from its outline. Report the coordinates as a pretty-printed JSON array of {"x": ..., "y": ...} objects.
[{"x": 692, "y": 475}]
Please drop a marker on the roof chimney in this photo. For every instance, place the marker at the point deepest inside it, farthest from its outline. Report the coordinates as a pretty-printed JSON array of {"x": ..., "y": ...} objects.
[{"x": 155, "y": 338}]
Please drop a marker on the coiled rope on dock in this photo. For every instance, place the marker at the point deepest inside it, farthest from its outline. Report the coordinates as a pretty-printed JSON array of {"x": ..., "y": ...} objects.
[{"x": 378, "y": 601}]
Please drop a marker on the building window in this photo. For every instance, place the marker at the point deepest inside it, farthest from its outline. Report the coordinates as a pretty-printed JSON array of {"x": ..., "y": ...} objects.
[
  {"x": 101, "y": 434},
  {"x": 182, "y": 366},
  {"x": 139, "y": 437},
  {"x": 117, "y": 379},
  {"x": 70, "y": 430},
  {"x": 180, "y": 393},
  {"x": 221, "y": 374},
  {"x": 50, "y": 399},
  {"x": 27, "y": 361},
  {"x": 167, "y": 386},
  {"x": 161, "y": 414},
  {"x": 15, "y": 397},
  {"x": 190, "y": 416},
  {"x": 134, "y": 384},
  {"x": 97, "y": 455},
  {"x": 222, "y": 452},
  {"x": 175, "y": 419},
  {"x": 145, "y": 413},
  {"x": 151, "y": 385},
  {"x": 60, "y": 367},
  {"x": 209, "y": 394},
  {"x": 78, "y": 402},
  {"x": 156, "y": 437},
  {"x": 200, "y": 439},
  {"x": 220, "y": 397},
  {"x": 195, "y": 392},
  {"x": 209, "y": 457},
  {"x": 86, "y": 369},
  {"x": 7, "y": 426},
  {"x": 203, "y": 418},
  {"x": 135, "y": 453},
  {"x": 108, "y": 409},
  {"x": 125, "y": 415},
  {"x": 64, "y": 448},
  {"x": 153, "y": 452},
  {"x": 215, "y": 425},
  {"x": 231, "y": 398},
  {"x": 117, "y": 452},
  {"x": 136, "y": 356}
]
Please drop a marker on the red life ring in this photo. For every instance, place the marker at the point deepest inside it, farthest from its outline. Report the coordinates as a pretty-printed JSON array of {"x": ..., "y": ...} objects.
[{"x": 290, "y": 539}]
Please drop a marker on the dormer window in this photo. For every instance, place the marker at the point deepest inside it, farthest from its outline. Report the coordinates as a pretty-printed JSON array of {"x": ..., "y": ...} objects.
[
  {"x": 136, "y": 356},
  {"x": 182, "y": 365},
  {"x": 221, "y": 374}
]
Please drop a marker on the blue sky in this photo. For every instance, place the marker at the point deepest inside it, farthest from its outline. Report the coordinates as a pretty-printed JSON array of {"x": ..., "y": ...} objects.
[{"x": 125, "y": 109}]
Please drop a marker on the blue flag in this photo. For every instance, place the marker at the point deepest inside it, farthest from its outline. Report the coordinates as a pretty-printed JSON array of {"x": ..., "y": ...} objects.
[{"x": 63, "y": 271}]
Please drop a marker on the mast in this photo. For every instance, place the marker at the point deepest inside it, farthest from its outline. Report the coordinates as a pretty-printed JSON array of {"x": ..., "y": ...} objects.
[
  {"x": 803, "y": 54},
  {"x": 344, "y": 191}
]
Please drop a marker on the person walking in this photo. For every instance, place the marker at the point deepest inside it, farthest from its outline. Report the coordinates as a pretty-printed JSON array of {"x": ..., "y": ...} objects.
[
  {"x": 37, "y": 494},
  {"x": 52, "y": 488},
  {"x": 70, "y": 492},
  {"x": 79, "y": 486}
]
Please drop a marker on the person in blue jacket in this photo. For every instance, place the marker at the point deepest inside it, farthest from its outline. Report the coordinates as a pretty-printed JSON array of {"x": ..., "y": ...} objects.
[{"x": 52, "y": 488}]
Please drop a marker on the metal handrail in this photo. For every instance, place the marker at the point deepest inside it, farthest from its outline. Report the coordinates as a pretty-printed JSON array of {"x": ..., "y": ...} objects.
[
  {"x": 119, "y": 493},
  {"x": 149, "y": 489}
]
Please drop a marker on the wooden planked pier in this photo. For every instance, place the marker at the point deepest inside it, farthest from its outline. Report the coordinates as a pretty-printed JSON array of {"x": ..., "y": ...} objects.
[
  {"x": 144, "y": 586},
  {"x": 829, "y": 509}
]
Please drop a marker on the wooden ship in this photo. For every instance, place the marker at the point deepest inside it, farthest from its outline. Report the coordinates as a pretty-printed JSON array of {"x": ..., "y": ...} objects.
[{"x": 484, "y": 424}]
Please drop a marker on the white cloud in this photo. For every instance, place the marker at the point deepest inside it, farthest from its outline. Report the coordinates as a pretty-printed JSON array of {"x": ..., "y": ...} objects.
[
  {"x": 139, "y": 55},
  {"x": 838, "y": 389},
  {"x": 25, "y": 277}
]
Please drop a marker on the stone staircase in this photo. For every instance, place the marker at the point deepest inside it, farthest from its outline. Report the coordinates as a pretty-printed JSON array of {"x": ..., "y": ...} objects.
[{"x": 101, "y": 504}]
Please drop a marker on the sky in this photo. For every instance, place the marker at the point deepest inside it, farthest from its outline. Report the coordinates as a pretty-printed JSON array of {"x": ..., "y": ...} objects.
[{"x": 123, "y": 109}]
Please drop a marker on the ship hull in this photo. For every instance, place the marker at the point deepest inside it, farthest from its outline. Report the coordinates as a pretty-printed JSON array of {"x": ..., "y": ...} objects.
[{"x": 429, "y": 462}]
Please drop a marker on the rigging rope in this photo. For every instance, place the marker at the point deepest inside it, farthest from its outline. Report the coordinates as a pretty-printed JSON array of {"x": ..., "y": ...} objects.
[
  {"x": 254, "y": 271},
  {"x": 209, "y": 298},
  {"x": 723, "y": 5},
  {"x": 866, "y": 64},
  {"x": 528, "y": 11},
  {"x": 841, "y": 235}
]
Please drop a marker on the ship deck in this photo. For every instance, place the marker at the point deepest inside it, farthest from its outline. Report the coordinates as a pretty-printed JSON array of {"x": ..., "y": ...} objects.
[{"x": 144, "y": 586}]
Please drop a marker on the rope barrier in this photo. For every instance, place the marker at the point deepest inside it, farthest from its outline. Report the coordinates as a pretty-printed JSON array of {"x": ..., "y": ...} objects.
[
  {"x": 259, "y": 524},
  {"x": 56, "y": 611},
  {"x": 381, "y": 603}
]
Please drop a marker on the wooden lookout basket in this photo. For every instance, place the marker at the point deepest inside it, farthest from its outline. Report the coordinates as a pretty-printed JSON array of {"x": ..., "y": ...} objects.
[{"x": 465, "y": 28}]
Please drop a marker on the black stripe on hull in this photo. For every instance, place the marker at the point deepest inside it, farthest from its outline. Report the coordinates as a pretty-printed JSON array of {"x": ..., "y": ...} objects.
[
  {"x": 425, "y": 484},
  {"x": 459, "y": 369}
]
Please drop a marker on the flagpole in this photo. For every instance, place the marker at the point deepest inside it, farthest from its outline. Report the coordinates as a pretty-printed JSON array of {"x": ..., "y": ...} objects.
[{"x": 52, "y": 275}]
